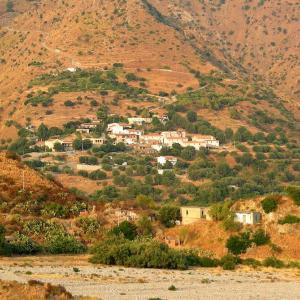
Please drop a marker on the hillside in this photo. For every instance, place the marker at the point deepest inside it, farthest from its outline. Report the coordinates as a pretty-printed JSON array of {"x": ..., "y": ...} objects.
[
  {"x": 172, "y": 45},
  {"x": 211, "y": 237}
]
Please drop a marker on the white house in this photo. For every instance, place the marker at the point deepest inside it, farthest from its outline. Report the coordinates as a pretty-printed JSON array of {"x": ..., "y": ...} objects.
[
  {"x": 117, "y": 128},
  {"x": 72, "y": 69},
  {"x": 162, "y": 160},
  {"x": 247, "y": 217},
  {"x": 207, "y": 141}
]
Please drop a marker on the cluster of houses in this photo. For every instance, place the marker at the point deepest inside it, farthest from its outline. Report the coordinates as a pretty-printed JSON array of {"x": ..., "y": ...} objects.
[
  {"x": 123, "y": 132},
  {"x": 136, "y": 138},
  {"x": 192, "y": 214}
]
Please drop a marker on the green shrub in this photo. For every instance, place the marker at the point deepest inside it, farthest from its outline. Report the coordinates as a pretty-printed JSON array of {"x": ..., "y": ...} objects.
[
  {"x": 22, "y": 244},
  {"x": 289, "y": 219},
  {"x": 270, "y": 203},
  {"x": 238, "y": 244},
  {"x": 229, "y": 262},
  {"x": 88, "y": 225},
  {"x": 139, "y": 253},
  {"x": 97, "y": 175},
  {"x": 221, "y": 211},
  {"x": 168, "y": 215},
  {"x": 55, "y": 210},
  {"x": 273, "y": 262},
  {"x": 127, "y": 229},
  {"x": 260, "y": 238},
  {"x": 294, "y": 193},
  {"x": 63, "y": 243},
  {"x": 251, "y": 262},
  {"x": 172, "y": 288}
]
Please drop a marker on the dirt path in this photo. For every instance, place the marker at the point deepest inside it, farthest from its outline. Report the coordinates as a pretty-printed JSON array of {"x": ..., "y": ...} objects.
[{"x": 114, "y": 283}]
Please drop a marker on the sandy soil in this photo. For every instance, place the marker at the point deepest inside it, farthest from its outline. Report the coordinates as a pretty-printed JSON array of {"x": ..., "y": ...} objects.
[{"x": 114, "y": 283}]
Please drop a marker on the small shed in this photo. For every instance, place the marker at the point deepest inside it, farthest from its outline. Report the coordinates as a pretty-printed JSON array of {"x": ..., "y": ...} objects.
[{"x": 247, "y": 217}]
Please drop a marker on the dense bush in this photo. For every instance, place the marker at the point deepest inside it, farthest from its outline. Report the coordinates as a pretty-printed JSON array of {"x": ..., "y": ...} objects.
[
  {"x": 141, "y": 254},
  {"x": 61, "y": 242},
  {"x": 229, "y": 262},
  {"x": 126, "y": 229},
  {"x": 273, "y": 262},
  {"x": 294, "y": 193},
  {"x": 270, "y": 203},
  {"x": 289, "y": 219},
  {"x": 238, "y": 244},
  {"x": 88, "y": 160},
  {"x": 168, "y": 215},
  {"x": 22, "y": 244},
  {"x": 260, "y": 238},
  {"x": 55, "y": 210},
  {"x": 97, "y": 175}
]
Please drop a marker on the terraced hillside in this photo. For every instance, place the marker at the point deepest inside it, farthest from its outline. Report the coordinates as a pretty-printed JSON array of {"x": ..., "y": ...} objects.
[{"x": 222, "y": 67}]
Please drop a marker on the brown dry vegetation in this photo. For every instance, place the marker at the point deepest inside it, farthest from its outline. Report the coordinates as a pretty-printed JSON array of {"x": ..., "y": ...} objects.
[
  {"x": 11, "y": 183},
  {"x": 35, "y": 290},
  {"x": 247, "y": 42},
  {"x": 211, "y": 237}
]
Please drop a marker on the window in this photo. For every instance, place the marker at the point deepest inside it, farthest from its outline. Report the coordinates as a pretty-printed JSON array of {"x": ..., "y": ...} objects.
[{"x": 186, "y": 212}]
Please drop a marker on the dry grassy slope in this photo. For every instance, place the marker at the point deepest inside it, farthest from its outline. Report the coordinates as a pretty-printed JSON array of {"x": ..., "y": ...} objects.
[
  {"x": 97, "y": 33},
  {"x": 35, "y": 290},
  {"x": 11, "y": 181},
  {"x": 261, "y": 39},
  {"x": 88, "y": 34},
  {"x": 210, "y": 236}
]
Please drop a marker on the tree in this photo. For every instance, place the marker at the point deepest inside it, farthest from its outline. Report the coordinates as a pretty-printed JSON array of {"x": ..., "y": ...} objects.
[
  {"x": 58, "y": 147},
  {"x": 192, "y": 116},
  {"x": 270, "y": 203},
  {"x": 238, "y": 244},
  {"x": 294, "y": 193},
  {"x": 188, "y": 153},
  {"x": 80, "y": 144},
  {"x": 228, "y": 134},
  {"x": 102, "y": 113},
  {"x": 242, "y": 134},
  {"x": 9, "y": 6},
  {"x": 43, "y": 132},
  {"x": 145, "y": 201},
  {"x": 127, "y": 229},
  {"x": 168, "y": 215},
  {"x": 144, "y": 226}
]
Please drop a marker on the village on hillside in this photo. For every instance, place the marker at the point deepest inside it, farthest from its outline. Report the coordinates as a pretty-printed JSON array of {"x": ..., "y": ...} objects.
[{"x": 135, "y": 138}]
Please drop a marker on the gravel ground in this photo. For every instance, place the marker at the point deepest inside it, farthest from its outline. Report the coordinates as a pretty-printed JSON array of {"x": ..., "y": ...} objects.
[{"x": 117, "y": 283}]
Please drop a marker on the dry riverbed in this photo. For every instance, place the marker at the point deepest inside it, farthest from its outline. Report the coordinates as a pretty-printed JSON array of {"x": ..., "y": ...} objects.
[{"x": 119, "y": 283}]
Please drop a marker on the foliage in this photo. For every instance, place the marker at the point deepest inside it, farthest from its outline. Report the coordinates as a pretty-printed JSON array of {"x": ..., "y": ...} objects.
[
  {"x": 140, "y": 253},
  {"x": 167, "y": 215},
  {"x": 289, "y": 219},
  {"x": 85, "y": 144},
  {"x": 221, "y": 211},
  {"x": 270, "y": 203},
  {"x": 61, "y": 242},
  {"x": 126, "y": 229},
  {"x": 238, "y": 244},
  {"x": 260, "y": 238},
  {"x": 89, "y": 225},
  {"x": 229, "y": 262},
  {"x": 22, "y": 244},
  {"x": 294, "y": 193},
  {"x": 273, "y": 262}
]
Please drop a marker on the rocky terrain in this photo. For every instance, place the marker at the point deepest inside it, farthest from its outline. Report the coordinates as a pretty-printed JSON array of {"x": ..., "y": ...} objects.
[{"x": 113, "y": 283}]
